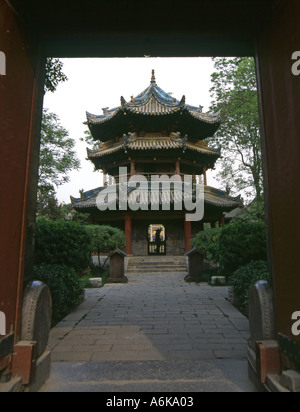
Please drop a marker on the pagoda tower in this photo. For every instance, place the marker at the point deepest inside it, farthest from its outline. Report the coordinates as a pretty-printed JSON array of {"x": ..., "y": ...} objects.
[{"x": 154, "y": 135}]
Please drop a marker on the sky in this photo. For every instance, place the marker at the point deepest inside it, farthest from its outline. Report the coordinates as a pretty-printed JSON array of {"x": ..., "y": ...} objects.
[{"x": 98, "y": 83}]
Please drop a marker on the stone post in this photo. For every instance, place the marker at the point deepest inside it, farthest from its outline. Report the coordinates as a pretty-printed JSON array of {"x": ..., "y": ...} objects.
[
  {"x": 188, "y": 235},
  {"x": 128, "y": 234}
]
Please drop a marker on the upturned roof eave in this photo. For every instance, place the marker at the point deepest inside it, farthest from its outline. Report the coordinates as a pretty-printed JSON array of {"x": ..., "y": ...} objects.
[
  {"x": 153, "y": 102},
  {"x": 98, "y": 120},
  {"x": 98, "y": 155},
  {"x": 212, "y": 196}
]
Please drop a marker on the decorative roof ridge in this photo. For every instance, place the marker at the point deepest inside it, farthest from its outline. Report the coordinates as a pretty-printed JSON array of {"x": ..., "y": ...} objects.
[
  {"x": 153, "y": 93},
  {"x": 88, "y": 195},
  {"x": 219, "y": 197},
  {"x": 149, "y": 143},
  {"x": 217, "y": 191},
  {"x": 90, "y": 152},
  {"x": 153, "y": 79},
  {"x": 168, "y": 104},
  {"x": 93, "y": 118},
  {"x": 153, "y": 90}
]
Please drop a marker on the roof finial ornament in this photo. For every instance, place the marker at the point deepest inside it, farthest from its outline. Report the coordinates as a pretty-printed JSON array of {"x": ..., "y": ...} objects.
[
  {"x": 153, "y": 80},
  {"x": 123, "y": 101}
]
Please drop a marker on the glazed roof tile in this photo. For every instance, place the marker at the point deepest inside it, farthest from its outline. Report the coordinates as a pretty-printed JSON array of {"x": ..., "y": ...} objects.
[
  {"x": 212, "y": 196},
  {"x": 154, "y": 101},
  {"x": 151, "y": 143}
]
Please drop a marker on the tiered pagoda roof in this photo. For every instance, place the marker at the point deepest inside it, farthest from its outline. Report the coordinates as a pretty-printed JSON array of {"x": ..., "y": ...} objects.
[
  {"x": 213, "y": 198},
  {"x": 153, "y": 110},
  {"x": 155, "y": 126},
  {"x": 151, "y": 144}
]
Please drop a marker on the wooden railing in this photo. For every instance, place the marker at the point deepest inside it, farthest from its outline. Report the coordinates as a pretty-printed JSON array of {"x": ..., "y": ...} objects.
[
  {"x": 148, "y": 176},
  {"x": 155, "y": 249}
]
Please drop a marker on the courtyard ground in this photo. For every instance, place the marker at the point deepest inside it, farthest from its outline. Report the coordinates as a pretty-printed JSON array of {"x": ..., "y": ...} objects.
[{"x": 155, "y": 334}]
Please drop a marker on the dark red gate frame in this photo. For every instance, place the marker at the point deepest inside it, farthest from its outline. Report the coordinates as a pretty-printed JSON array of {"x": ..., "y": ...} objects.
[{"x": 30, "y": 31}]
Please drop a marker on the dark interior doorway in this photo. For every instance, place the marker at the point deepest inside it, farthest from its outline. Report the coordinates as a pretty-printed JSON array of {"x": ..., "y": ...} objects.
[{"x": 157, "y": 240}]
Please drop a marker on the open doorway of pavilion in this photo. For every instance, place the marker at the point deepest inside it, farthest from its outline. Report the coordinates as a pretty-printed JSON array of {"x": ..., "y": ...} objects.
[{"x": 157, "y": 240}]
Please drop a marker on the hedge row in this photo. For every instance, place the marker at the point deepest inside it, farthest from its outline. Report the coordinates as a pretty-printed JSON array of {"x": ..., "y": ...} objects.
[
  {"x": 244, "y": 278},
  {"x": 65, "y": 286},
  {"x": 63, "y": 250},
  {"x": 62, "y": 243},
  {"x": 234, "y": 246},
  {"x": 240, "y": 251}
]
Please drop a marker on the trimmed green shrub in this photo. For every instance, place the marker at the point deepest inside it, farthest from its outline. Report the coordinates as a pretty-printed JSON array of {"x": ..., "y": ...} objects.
[
  {"x": 240, "y": 243},
  {"x": 62, "y": 243},
  {"x": 244, "y": 278},
  {"x": 208, "y": 240},
  {"x": 65, "y": 286},
  {"x": 105, "y": 239}
]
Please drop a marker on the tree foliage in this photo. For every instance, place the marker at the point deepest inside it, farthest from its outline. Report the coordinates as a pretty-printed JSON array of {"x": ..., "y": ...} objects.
[
  {"x": 57, "y": 154},
  {"x": 208, "y": 241},
  {"x": 254, "y": 212},
  {"x": 240, "y": 243},
  {"x": 47, "y": 204},
  {"x": 234, "y": 92},
  {"x": 54, "y": 75},
  {"x": 105, "y": 239},
  {"x": 71, "y": 215},
  {"x": 88, "y": 138}
]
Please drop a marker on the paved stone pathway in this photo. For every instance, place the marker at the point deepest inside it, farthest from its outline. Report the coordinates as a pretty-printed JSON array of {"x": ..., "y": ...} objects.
[{"x": 158, "y": 321}]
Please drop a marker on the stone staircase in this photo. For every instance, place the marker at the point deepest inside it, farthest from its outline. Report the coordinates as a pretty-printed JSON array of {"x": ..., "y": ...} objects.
[{"x": 156, "y": 264}]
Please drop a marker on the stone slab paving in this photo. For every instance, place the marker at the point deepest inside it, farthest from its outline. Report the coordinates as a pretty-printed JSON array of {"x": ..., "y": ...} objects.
[
  {"x": 152, "y": 318},
  {"x": 222, "y": 375},
  {"x": 157, "y": 317}
]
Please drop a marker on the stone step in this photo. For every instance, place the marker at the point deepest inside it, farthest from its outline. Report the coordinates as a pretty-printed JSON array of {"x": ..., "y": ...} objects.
[
  {"x": 170, "y": 269},
  {"x": 153, "y": 265},
  {"x": 143, "y": 264},
  {"x": 157, "y": 270},
  {"x": 157, "y": 264},
  {"x": 157, "y": 258},
  {"x": 220, "y": 375}
]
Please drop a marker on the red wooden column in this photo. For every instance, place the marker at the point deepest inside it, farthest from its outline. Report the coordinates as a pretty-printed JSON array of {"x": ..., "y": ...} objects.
[
  {"x": 204, "y": 176},
  {"x": 132, "y": 168},
  {"x": 128, "y": 234},
  {"x": 177, "y": 167},
  {"x": 188, "y": 235},
  {"x": 18, "y": 102},
  {"x": 280, "y": 102},
  {"x": 222, "y": 222},
  {"x": 104, "y": 177}
]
